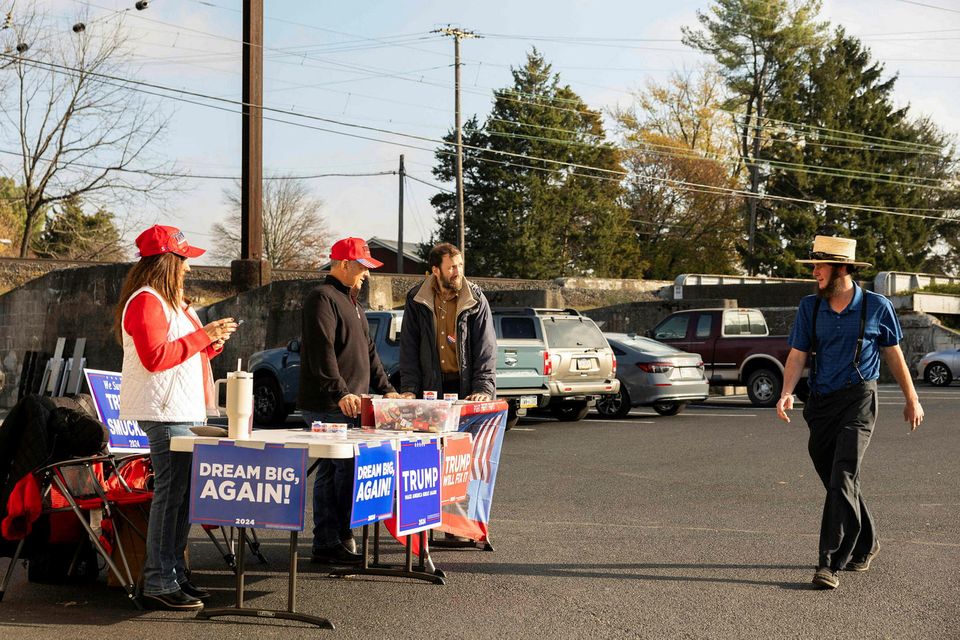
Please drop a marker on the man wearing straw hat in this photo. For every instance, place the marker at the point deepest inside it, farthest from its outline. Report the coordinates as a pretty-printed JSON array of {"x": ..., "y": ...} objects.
[{"x": 843, "y": 329}]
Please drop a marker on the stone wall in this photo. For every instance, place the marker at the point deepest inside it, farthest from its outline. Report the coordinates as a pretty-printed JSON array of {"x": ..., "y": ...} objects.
[{"x": 80, "y": 302}]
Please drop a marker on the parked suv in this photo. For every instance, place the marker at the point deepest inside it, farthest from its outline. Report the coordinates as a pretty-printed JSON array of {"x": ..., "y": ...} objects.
[{"x": 578, "y": 361}]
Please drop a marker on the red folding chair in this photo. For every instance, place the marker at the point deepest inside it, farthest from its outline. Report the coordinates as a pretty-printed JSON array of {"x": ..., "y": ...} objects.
[
  {"x": 59, "y": 498},
  {"x": 93, "y": 489}
]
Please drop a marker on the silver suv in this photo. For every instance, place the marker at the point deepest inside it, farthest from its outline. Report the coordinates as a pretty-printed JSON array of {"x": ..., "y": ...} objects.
[{"x": 578, "y": 361}]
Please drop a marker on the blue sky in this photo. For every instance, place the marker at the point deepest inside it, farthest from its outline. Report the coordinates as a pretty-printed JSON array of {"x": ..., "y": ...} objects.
[{"x": 376, "y": 64}]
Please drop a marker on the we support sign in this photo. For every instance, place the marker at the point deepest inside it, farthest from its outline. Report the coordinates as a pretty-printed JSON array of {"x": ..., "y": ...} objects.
[
  {"x": 244, "y": 486},
  {"x": 373, "y": 483},
  {"x": 418, "y": 496},
  {"x": 125, "y": 435}
]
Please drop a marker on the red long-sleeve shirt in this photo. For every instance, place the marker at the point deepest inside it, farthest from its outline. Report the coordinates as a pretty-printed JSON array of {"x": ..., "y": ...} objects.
[{"x": 147, "y": 324}]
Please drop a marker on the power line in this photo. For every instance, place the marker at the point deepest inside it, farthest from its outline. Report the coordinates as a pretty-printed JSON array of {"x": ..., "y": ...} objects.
[
  {"x": 606, "y": 173},
  {"x": 372, "y": 72},
  {"x": 195, "y": 176},
  {"x": 929, "y": 6},
  {"x": 430, "y": 184}
]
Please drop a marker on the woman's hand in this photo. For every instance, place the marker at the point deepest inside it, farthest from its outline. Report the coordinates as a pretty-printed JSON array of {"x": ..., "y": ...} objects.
[{"x": 219, "y": 331}]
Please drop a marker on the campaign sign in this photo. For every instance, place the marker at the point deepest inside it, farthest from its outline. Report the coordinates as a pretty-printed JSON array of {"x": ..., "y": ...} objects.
[
  {"x": 125, "y": 435},
  {"x": 248, "y": 487},
  {"x": 418, "y": 496},
  {"x": 457, "y": 463},
  {"x": 374, "y": 476}
]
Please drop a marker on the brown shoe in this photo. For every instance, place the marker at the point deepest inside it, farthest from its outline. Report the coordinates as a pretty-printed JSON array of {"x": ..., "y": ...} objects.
[
  {"x": 863, "y": 563},
  {"x": 825, "y": 578}
]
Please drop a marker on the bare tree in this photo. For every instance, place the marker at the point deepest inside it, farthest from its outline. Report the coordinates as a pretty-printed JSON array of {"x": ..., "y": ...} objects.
[
  {"x": 83, "y": 130},
  {"x": 294, "y": 230}
]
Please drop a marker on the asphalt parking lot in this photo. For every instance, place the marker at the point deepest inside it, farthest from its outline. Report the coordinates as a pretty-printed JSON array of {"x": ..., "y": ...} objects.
[{"x": 701, "y": 525}]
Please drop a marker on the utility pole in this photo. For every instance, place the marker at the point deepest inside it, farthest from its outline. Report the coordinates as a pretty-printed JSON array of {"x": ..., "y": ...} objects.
[
  {"x": 400, "y": 226},
  {"x": 458, "y": 35},
  {"x": 250, "y": 270}
]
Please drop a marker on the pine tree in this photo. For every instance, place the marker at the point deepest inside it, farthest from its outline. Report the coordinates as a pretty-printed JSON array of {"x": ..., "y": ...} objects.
[
  {"x": 854, "y": 147},
  {"x": 759, "y": 45},
  {"x": 527, "y": 216},
  {"x": 71, "y": 234}
]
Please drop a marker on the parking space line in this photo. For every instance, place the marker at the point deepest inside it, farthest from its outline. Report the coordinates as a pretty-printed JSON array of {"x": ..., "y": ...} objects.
[{"x": 700, "y": 412}]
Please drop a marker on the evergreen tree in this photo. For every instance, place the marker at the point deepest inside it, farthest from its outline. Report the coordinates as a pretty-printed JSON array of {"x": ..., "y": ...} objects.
[
  {"x": 71, "y": 234},
  {"x": 855, "y": 147},
  {"x": 528, "y": 217},
  {"x": 11, "y": 216},
  {"x": 759, "y": 45}
]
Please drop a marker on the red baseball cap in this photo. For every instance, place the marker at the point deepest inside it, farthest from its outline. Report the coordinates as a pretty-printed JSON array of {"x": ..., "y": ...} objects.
[
  {"x": 159, "y": 239},
  {"x": 354, "y": 249}
]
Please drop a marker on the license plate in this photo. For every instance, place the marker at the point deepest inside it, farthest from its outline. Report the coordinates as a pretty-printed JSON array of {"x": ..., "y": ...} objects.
[
  {"x": 584, "y": 364},
  {"x": 528, "y": 402}
]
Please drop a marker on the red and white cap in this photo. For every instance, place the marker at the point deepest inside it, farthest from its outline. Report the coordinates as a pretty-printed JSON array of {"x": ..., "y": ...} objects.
[
  {"x": 354, "y": 249},
  {"x": 160, "y": 239}
]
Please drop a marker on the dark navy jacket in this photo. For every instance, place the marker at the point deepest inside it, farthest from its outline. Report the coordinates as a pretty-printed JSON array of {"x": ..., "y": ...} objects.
[{"x": 476, "y": 342}]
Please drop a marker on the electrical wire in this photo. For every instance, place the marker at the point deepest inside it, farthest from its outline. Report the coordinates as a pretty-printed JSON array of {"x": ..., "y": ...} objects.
[
  {"x": 379, "y": 73},
  {"x": 604, "y": 173}
]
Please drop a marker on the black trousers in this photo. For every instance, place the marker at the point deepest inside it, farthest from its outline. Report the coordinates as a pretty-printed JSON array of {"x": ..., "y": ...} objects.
[{"x": 841, "y": 424}]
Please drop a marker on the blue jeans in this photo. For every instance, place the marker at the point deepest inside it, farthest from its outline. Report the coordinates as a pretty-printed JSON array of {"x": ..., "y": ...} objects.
[
  {"x": 332, "y": 491},
  {"x": 168, "y": 528}
]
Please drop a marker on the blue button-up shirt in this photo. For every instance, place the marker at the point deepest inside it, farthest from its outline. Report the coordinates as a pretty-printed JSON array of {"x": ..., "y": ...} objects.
[{"x": 837, "y": 335}]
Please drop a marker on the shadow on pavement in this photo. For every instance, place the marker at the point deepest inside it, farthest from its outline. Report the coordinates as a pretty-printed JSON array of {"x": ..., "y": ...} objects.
[{"x": 626, "y": 571}]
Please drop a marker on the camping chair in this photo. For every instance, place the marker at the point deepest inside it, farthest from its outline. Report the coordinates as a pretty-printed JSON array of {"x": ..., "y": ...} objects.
[{"x": 63, "y": 493}]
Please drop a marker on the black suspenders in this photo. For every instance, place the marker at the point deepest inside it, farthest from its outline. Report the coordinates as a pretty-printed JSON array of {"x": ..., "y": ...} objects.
[{"x": 863, "y": 326}]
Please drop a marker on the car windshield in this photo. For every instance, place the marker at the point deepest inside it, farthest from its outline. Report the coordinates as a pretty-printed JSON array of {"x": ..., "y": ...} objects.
[
  {"x": 573, "y": 332},
  {"x": 647, "y": 345}
]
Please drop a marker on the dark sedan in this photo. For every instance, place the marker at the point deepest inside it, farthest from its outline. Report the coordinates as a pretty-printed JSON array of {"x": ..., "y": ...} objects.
[{"x": 652, "y": 374}]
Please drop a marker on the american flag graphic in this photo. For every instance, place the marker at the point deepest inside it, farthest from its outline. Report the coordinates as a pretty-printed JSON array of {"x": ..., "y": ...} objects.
[
  {"x": 470, "y": 516},
  {"x": 484, "y": 436}
]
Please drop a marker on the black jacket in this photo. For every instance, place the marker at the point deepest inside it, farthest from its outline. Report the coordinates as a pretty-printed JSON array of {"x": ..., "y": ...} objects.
[
  {"x": 476, "y": 342},
  {"x": 40, "y": 430},
  {"x": 337, "y": 356}
]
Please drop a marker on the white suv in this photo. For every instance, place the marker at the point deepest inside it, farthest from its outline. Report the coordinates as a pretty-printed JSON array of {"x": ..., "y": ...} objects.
[{"x": 578, "y": 361}]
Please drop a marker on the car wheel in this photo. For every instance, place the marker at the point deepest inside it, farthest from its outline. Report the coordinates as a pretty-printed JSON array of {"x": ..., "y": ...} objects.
[
  {"x": 268, "y": 406},
  {"x": 570, "y": 411},
  {"x": 938, "y": 374},
  {"x": 616, "y": 405},
  {"x": 669, "y": 408},
  {"x": 763, "y": 388}
]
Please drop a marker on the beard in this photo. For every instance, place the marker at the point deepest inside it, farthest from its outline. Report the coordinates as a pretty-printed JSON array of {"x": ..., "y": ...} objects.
[
  {"x": 448, "y": 285},
  {"x": 832, "y": 287}
]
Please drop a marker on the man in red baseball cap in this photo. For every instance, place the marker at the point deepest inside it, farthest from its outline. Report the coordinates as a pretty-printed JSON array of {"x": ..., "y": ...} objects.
[
  {"x": 338, "y": 363},
  {"x": 160, "y": 239},
  {"x": 354, "y": 249}
]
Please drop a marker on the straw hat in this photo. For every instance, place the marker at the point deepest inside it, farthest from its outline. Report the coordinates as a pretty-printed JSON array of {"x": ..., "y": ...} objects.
[{"x": 833, "y": 250}]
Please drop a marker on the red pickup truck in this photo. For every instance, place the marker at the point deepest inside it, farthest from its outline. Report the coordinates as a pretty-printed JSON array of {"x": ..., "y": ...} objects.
[{"x": 736, "y": 347}]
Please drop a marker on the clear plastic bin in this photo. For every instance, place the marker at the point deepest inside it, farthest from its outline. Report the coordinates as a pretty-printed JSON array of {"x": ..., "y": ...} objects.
[{"x": 394, "y": 414}]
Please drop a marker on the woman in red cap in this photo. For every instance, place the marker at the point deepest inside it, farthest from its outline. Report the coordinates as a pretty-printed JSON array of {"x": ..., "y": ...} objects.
[{"x": 168, "y": 388}]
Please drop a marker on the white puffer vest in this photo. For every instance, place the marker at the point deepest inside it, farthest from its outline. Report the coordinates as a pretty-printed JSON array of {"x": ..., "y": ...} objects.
[{"x": 172, "y": 395}]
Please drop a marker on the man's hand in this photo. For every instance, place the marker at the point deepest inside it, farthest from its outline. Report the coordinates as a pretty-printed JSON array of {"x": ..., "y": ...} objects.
[
  {"x": 350, "y": 405},
  {"x": 913, "y": 413},
  {"x": 478, "y": 397},
  {"x": 783, "y": 405}
]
